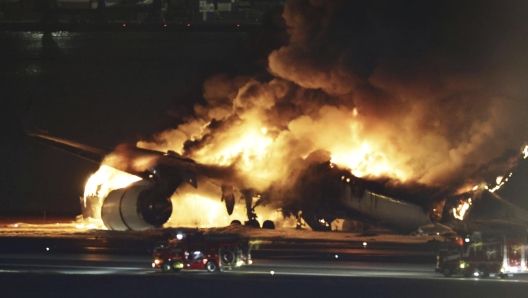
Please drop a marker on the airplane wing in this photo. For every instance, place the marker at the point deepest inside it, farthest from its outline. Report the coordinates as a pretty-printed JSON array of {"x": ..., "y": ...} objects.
[{"x": 147, "y": 203}]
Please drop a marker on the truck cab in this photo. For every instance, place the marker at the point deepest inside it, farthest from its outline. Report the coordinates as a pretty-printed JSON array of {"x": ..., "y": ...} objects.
[
  {"x": 199, "y": 251},
  {"x": 478, "y": 255}
]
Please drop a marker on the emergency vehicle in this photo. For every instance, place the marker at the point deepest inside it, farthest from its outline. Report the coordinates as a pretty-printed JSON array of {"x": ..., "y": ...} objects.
[
  {"x": 494, "y": 254},
  {"x": 200, "y": 251}
]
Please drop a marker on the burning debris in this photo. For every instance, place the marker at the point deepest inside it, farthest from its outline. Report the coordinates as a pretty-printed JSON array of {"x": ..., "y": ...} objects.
[{"x": 418, "y": 97}]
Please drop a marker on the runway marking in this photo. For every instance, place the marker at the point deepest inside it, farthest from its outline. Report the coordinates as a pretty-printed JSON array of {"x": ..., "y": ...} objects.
[
  {"x": 70, "y": 267},
  {"x": 432, "y": 276}
]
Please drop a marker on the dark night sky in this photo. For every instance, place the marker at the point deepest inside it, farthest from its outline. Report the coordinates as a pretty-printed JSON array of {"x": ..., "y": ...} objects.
[
  {"x": 97, "y": 88},
  {"x": 107, "y": 88}
]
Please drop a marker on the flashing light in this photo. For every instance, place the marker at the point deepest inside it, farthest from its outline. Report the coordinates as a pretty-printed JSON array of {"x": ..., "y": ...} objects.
[{"x": 179, "y": 236}]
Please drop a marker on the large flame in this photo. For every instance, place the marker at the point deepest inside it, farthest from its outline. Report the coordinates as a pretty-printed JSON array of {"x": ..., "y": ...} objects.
[
  {"x": 191, "y": 210},
  {"x": 432, "y": 119},
  {"x": 106, "y": 179},
  {"x": 98, "y": 186}
]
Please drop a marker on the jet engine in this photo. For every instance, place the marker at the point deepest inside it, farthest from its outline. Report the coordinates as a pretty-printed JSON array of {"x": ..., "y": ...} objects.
[{"x": 140, "y": 206}]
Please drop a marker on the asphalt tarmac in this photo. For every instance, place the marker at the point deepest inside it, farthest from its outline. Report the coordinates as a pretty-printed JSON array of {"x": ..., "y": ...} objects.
[{"x": 100, "y": 275}]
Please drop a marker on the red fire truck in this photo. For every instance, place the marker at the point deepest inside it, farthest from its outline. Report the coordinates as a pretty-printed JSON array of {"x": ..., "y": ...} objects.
[
  {"x": 211, "y": 252},
  {"x": 494, "y": 254}
]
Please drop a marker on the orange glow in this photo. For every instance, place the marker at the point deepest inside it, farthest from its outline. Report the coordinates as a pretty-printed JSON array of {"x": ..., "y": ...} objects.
[
  {"x": 460, "y": 211},
  {"x": 98, "y": 186},
  {"x": 105, "y": 180},
  {"x": 191, "y": 210}
]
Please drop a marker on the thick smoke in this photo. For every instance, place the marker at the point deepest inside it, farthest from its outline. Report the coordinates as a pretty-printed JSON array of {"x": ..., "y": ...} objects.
[{"x": 427, "y": 93}]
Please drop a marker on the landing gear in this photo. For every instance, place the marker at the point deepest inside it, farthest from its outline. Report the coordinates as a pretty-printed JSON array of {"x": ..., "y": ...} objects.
[
  {"x": 252, "y": 223},
  {"x": 268, "y": 224},
  {"x": 235, "y": 222}
]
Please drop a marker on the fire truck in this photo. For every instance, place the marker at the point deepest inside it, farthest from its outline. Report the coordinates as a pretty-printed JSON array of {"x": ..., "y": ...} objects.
[
  {"x": 199, "y": 251},
  {"x": 494, "y": 254}
]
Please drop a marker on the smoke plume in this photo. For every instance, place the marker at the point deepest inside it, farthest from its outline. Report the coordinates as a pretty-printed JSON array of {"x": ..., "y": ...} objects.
[{"x": 429, "y": 93}]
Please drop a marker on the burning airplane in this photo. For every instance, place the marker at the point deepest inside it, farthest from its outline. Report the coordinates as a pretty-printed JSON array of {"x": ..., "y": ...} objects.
[{"x": 375, "y": 111}]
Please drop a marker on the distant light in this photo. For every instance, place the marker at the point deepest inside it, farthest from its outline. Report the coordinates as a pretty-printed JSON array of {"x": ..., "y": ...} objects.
[
  {"x": 47, "y": 248},
  {"x": 164, "y": 25},
  {"x": 57, "y": 223},
  {"x": 336, "y": 256},
  {"x": 188, "y": 25},
  {"x": 476, "y": 274},
  {"x": 16, "y": 225},
  {"x": 124, "y": 25},
  {"x": 272, "y": 272},
  {"x": 467, "y": 239},
  {"x": 238, "y": 25},
  {"x": 179, "y": 236},
  {"x": 364, "y": 243}
]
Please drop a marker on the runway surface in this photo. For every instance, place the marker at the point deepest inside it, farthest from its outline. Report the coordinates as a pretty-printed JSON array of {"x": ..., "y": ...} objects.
[
  {"x": 99, "y": 275},
  {"x": 93, "y": 263}
]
